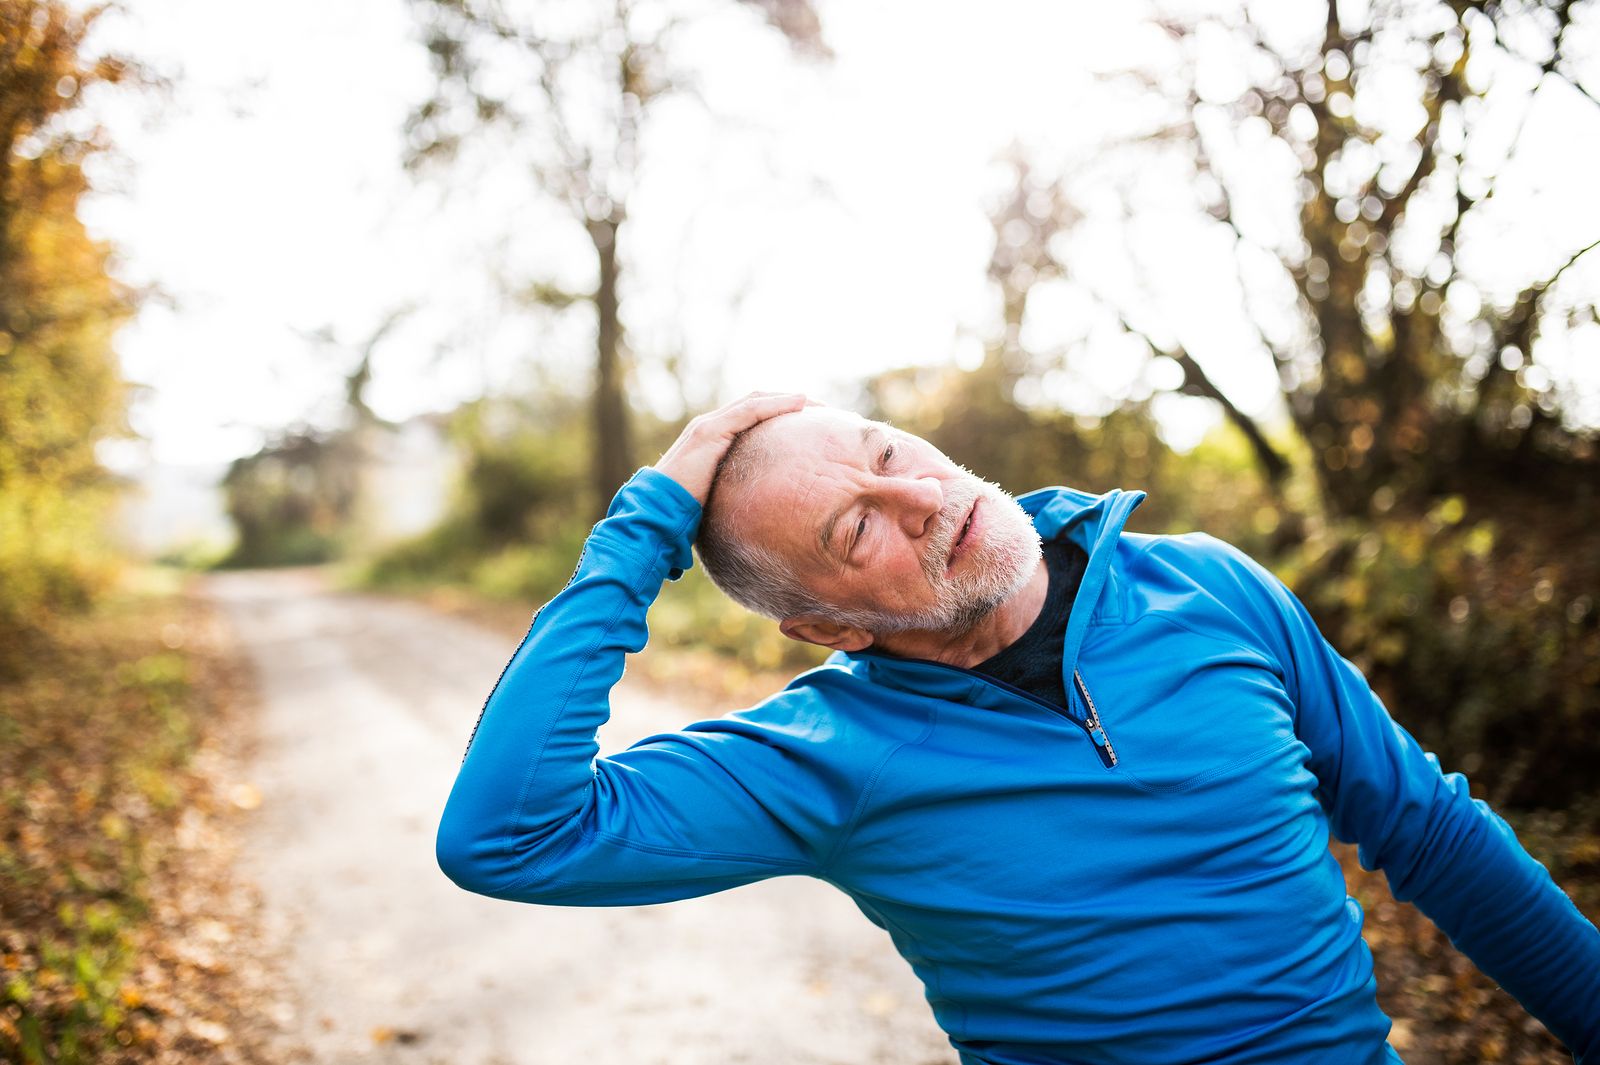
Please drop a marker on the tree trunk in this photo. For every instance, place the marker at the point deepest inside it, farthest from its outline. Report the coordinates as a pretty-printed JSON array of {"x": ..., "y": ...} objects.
[{"x": 613, "y": 451}]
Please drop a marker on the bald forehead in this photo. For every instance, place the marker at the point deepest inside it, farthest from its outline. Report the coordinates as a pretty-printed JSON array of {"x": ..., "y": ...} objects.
[
  {"x": 812, "y": 425},
  {"x": 802, "y": 468},
  {"x": 791, "y": 450}
]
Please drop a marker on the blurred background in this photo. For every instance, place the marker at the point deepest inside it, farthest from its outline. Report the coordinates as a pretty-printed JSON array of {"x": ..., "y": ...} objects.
[{"x": 374, "y": 305}]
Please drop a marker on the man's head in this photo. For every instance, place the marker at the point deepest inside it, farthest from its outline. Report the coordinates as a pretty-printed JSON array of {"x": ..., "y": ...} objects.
[{"x": 845, "y": 530}]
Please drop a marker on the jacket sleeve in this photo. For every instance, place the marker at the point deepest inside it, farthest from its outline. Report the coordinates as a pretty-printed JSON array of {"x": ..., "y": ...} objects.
[
  {"x": 1451, "y": 855},
  {"x": 536, "y": 816}
]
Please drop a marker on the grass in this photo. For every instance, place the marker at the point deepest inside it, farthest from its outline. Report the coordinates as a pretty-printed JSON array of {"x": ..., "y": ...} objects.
[{"x": 102, "y": 803}]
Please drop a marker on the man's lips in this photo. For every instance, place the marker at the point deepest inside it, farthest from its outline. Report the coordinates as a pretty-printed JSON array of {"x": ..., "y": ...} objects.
[{"x": 967, "y": 526}]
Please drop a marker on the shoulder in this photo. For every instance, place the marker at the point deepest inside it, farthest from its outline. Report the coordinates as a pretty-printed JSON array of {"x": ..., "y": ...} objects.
[
  {"x": 1200, "y": 557},
  {"x": 1205, "y": 584},
  {"x": 1192, "y": 556},
  {"x": 1195, "y": 548}
]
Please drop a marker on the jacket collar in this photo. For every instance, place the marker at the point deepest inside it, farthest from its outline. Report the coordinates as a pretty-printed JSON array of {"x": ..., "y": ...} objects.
[{"x": 1093, "y": 522}]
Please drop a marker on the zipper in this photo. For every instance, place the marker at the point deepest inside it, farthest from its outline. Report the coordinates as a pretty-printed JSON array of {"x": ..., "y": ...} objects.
[
  {"x": 531, "y": 623},
  {"x": 1097, "y": 731},
  {"x": 1093, "y": 728}
]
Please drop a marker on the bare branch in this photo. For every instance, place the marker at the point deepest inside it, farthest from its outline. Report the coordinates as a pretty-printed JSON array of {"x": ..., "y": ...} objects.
[
  {"x": 1580, "y": 253},
  {"x": 1520, "y": 325},
  {"x": 1196, "y": 382}
]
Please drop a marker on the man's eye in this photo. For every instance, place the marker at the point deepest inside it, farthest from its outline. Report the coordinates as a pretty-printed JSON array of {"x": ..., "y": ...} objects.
[
  {"x": 888, "y": 453},
  {"x": 861, "y": 528}
]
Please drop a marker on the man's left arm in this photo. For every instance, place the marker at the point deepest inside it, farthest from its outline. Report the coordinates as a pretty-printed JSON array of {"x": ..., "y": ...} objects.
[{"x": 1451, "y": 855}]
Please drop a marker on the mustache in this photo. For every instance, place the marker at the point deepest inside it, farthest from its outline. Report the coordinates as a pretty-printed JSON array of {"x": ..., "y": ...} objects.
[{"x": 958, "y": 500}]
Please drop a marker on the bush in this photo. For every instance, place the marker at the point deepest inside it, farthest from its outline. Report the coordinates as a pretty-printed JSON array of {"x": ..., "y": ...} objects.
[
  {"x": 1485, "y": 644},
  {"x": 692, "y": 612}
]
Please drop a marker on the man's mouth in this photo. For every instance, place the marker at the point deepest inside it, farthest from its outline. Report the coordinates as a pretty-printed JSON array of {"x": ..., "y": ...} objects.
[{"x": 961, "y": 537}]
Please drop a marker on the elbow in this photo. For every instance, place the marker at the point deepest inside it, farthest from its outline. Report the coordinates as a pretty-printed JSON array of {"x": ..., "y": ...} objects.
[
  {"x": 457, "y": 854},
  {"x": 485, "y": 864},
  {"x": 472, "y": 860}
]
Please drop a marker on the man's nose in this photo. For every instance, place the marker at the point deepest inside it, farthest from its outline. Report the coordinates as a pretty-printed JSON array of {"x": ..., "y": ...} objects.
[{"x": 918, "y": 501}]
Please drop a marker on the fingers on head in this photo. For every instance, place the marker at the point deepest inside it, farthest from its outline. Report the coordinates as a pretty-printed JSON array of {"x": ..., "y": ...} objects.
[{"x": 759, "y": 406}]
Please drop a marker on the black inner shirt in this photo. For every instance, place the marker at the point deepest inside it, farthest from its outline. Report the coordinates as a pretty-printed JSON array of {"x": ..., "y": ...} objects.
[{"x": 1033, "y": 662}]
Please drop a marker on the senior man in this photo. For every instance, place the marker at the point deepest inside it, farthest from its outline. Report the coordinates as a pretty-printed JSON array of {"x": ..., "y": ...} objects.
[{"x": 1084, "y": 778}]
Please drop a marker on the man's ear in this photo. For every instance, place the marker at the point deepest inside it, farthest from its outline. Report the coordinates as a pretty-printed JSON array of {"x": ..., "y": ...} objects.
[{"x": 813, "y": 628}]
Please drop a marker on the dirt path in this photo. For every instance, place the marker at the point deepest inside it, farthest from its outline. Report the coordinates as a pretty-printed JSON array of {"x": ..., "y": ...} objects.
[{"x": 366, "y": 705}]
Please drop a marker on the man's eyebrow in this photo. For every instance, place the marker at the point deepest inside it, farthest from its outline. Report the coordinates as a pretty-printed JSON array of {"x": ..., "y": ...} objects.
[{"x": 825, "y": 538}]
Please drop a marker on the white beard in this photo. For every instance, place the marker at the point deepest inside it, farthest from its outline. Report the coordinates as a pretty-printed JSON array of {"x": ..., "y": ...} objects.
[{"x": 997, "y": 569}]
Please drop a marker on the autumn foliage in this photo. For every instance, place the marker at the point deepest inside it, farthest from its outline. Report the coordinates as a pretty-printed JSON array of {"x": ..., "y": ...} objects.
[{"x": 60, "y": 387}]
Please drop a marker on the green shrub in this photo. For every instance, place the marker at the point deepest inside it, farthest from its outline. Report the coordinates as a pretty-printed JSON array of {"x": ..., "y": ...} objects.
[
  {"x": 1483, "y": 642},
  {"x": 692, "y": 612}
]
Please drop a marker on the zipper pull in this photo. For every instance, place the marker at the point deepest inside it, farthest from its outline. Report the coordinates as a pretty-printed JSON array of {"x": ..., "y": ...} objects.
[
  {"x": 1097, "y": 731},
  {"x": 1102, "y": 745}
]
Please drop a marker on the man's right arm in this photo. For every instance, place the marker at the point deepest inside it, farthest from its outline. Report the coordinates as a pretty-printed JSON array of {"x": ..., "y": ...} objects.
[
  {"x": 1451, "y": 855},
  {"x": 536, "y": 816}
]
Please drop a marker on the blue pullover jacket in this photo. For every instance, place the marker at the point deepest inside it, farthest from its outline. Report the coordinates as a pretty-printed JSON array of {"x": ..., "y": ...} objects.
[{"x": 1143, "y": 878}]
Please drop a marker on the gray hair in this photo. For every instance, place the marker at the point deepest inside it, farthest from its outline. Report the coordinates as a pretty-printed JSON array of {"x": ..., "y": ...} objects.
[{"x": 747, "y": 572}]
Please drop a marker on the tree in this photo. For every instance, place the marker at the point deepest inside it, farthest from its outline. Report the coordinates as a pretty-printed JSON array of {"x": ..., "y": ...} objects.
[
  {"x": 340, "y": 461},
  {"x": 294, "y": 500},
  {"x": 60, "y": 385},
  {"x": 572, "y": 84},
  {"x": 1352, "y": 163},
  {"x": 986, "y": 417},
  {"x": 1347, "y": 171}
]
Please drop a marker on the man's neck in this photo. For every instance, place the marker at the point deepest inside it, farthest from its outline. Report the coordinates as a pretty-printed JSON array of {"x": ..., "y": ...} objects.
[{"x": 1002, "y": 628}]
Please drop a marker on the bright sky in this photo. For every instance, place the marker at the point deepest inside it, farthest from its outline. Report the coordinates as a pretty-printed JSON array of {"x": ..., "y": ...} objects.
[{"x": 264, "y": 198}]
